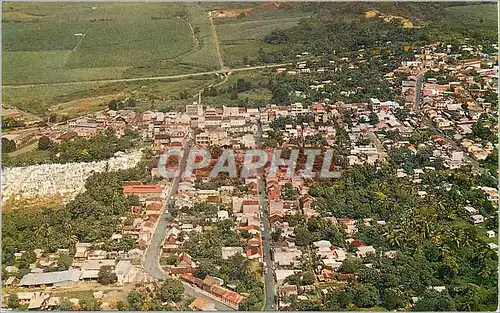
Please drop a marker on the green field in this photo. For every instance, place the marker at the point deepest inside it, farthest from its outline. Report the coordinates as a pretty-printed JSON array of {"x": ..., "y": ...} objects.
[{"x": 49, "y": 42}]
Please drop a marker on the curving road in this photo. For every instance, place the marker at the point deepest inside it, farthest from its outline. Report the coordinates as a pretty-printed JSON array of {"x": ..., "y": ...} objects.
[
  {"x": 152, "y": 258},
  {"x": 151, "y": 261}
]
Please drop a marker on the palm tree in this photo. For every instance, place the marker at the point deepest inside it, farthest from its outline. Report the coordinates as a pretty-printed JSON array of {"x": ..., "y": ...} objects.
[{"x": 395, "y": 237}]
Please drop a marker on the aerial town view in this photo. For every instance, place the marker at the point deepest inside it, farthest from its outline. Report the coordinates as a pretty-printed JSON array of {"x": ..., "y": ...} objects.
[{"x": 249, "y": 156}]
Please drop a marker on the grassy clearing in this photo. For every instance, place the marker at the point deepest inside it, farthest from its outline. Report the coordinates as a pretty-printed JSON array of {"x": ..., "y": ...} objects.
[
  {"x": 36, "y": 67},
  {"x": 83, "y": 295}
]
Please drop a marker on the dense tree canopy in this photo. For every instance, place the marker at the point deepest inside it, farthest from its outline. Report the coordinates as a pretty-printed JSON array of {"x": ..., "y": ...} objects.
[
  {"x": 106, "y": 276},
  {"x": 170, "y": 290}
]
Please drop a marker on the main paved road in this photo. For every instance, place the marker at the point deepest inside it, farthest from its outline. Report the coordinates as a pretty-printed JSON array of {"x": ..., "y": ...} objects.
[
  {"x": 152, "y": 259},
  {"x": 222, "y": 71},
  {"x": 266, "y": 245}
]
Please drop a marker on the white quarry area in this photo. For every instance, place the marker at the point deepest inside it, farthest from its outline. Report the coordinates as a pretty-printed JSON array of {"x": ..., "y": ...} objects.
[{"x": 66, "y": 180}]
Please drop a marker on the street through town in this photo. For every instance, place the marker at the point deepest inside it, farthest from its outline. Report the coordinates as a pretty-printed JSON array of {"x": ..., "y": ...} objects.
[
  {"x": 266, "y": 245},
  {"x": 152, "y": 259},
  {"x": 418, "y": 102}
]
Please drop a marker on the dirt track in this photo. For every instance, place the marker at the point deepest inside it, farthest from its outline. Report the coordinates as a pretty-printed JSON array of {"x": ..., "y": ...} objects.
[{"x": 216, "y": 41}]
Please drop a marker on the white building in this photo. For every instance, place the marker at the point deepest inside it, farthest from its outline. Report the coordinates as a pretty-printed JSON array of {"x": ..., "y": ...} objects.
[
  {"x": 125, "y": 272},
  {"x": 476, "y": 219}
]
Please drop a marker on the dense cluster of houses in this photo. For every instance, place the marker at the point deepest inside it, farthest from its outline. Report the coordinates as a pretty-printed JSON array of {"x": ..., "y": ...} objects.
[
  {"x": 87, "y": 262},
  {"x": 227, "y": 126},
  {"x": 455, "y": 105},
  {"x": 242, "y": 207}
]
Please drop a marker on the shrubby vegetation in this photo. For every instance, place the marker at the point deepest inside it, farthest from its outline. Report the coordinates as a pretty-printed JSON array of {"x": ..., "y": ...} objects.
[
  {"x": 8, "y": 145},
  {"x": 9, "y": 122}
]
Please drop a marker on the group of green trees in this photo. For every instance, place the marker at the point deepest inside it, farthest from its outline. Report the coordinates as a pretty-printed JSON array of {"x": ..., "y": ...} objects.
[
  {"x": 482, "y": 130},
  {"x": 442, "y": 76},
  {"x": 121, "y": 104},
  {"x": 206, "y": 247},
  {"x": 246, "y": 274},
  {"x": 435, "y": 244},
  {"x": 392, "y": 283},
  {"x": 202, "y": 209},
  {"x": 282, "y": 121},
  {"x": 314, "y": 229},
  {"x": 324, "y": 35},
  {"x": 8, "y": 145},
  {"x": 408, "y": 160},
  {"x": 169, "y": 291},
  {"x": 364, "y": 81},
  {"x": 289, "y": 192},
  {"x": 9, "y": 122},
  {"x": 101, "y": 147}
]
